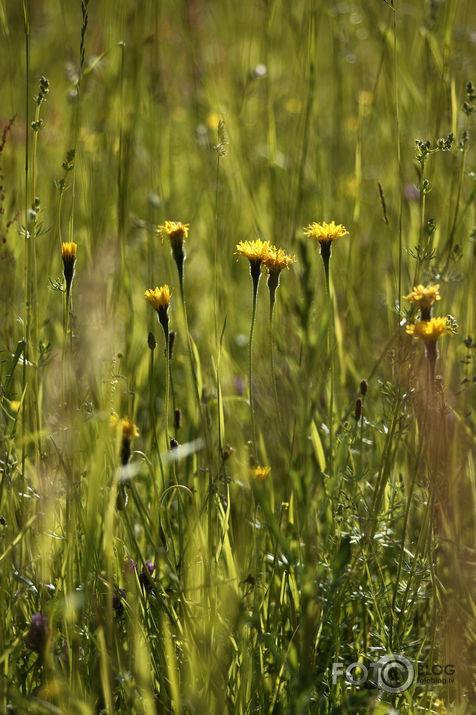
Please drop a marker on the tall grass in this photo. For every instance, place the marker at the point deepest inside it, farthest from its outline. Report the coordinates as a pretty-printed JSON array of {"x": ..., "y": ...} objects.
[{"x": 172, "y": 579}]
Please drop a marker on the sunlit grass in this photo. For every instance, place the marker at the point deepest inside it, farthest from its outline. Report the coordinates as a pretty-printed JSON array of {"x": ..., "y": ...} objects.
[{"x": 205, "y": 506}]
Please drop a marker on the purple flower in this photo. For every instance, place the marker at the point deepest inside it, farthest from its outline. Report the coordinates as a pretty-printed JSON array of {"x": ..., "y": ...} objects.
[
  {"x": 145, "y": 576},
  {"x": 411, "y": 192},
  {"x": 239, "y": 385},
  {"x": 39, "y": 634},
  {"x": 129, "y": 567}
]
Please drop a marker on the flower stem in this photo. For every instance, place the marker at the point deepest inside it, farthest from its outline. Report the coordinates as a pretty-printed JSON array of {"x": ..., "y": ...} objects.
[
  {"x": 255, "y": 270},
  {"x": 431, "y": 354},
  {"x": 272, "y": 300},
  {"x": 326, "y": 256},
  {"x": 165, "y": 326}
]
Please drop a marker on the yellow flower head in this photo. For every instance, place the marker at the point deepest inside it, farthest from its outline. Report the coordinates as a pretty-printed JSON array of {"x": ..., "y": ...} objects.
[
  {"x": 439, "y": 706},
  {"x": 159, "y": 298},
  {"x": 68, "y": 254},
  {"x": 176, "y": 231},
  {"x": 129, "y": 429},
  {"x": 424, "y": 297},
  {"x": 15, "y": 405},
  {"x": 260, "y": 473},
  {"x": 255, "y": 251},
  {"x": 277, "y": 259},
  {"x": 429, "y": 330},
  {"x": 68, "y": 251},
  {"x": 325, "y": 232}
]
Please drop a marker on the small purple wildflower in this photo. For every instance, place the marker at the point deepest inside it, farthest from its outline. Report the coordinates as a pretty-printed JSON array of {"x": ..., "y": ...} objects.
[
  {"x": 39, "y": 634},
  {"x": 145, "y": 576},
  {"x": 411, "y": 192}
]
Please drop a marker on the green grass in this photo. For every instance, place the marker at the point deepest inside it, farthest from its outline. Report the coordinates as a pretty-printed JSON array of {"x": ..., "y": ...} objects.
[{"x": 361, "y": 542}]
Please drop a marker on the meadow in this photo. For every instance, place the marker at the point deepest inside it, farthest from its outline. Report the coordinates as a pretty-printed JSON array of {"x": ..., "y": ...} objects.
[{"x": 237, "y": 373}]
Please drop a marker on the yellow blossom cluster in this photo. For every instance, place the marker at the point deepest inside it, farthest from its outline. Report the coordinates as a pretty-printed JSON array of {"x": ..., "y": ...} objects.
[{"x": 262, "y": 252}]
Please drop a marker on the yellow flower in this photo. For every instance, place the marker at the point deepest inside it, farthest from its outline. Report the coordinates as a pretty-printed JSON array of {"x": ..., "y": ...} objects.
[
  {"x": 424, "y": 297},
  {"x": 429, "y": 330},
  {"x": 255, "y": 251},
  {"x": 260, "y": 473},
  {"x": 129, "y": 429},
  {"x": 159, "y": 298},
  {"x": 325, "y": 232},
  {"x": 68, "y": 251},
  {"x": 15, "y": 405},
  {"x": 276, "y": 259},
  {"x": 68, "y": 254},
  {"x": 213, "y": 120},
  {"x": 176, "y": 231}
]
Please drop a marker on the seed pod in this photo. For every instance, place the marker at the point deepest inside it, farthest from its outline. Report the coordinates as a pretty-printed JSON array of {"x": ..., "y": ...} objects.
[
  {"x": 358, "y": 409},
  {"x": 363, "y": 387}
]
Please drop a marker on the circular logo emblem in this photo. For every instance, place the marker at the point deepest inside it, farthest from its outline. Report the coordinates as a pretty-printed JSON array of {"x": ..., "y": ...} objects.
[{"x": 395, "y": 673}]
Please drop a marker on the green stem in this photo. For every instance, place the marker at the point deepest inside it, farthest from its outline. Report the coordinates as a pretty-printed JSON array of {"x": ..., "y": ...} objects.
[
  {"x": 26, "y": 351},
  {"x": 272, "y": 300},
  {"x": 167, "y": 381},
  {"x": 215, "y": 252},
  {"x": 326, "y": 256},
  {"x": 179, "y": 257},
  {"x": 152, "y": 402},
  {"x": 255, "y": 270}
]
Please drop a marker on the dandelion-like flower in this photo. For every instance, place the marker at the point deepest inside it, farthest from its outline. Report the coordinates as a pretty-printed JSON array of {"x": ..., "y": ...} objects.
[
  {"x": 260, "y": 473},
  {"x": 325, "y": 232},
  {"x": 429, "y": 330},
  {"x": 176, "y": 231},
  {"x": 128, "y": 431},
  {"x": 68, "y": 254},
  {"x": 255, "y": 251},
  {"x": 323, "y": 235},
  {"x": 424, "y": 298},
  {"x": 159, "y": 298},
  {"x": 275, "y": 261}
]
